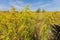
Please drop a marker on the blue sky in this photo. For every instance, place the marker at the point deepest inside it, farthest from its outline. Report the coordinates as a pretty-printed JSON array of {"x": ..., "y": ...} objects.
[{"x": 49, "y": 5}]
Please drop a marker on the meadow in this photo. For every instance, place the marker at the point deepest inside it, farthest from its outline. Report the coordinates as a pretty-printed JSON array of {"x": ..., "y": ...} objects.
[{"x": 29, "y": 25}]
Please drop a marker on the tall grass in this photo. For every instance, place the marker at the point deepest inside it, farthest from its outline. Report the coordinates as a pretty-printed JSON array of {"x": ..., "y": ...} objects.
[{"x": 26, "y": 25}]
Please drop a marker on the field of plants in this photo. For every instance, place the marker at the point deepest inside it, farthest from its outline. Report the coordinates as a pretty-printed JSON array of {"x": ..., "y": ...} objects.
[{"x": 29, "y": 25}]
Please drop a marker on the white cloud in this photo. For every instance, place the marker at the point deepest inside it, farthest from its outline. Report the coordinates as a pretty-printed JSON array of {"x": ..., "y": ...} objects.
[
  {"x": 58, "y": 1},
  {"x": 45, "y": 5},
  {"x": 17, "y": 4},
  {"x": 3, "y": 7},
  {"x": 35, "y": 4},
  {"x": 41, "y": 5}
]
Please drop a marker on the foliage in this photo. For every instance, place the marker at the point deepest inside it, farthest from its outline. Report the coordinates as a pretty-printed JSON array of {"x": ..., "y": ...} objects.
[
  {"x": 27, "y": 25},
  {"x": 38, "y": 10}
]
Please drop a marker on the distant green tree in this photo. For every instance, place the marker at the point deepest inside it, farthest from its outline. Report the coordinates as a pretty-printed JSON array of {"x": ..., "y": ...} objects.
[
  {"x": 43, "y": 10},
  {"x": 38, "y": 10}
]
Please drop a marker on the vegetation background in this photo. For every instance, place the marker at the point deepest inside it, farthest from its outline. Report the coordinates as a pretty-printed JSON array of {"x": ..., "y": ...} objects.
[{"x": 29, "y": 25}]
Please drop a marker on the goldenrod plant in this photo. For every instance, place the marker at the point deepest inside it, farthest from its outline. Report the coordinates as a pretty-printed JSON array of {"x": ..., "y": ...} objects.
[{"x": 28, "y": 25}]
